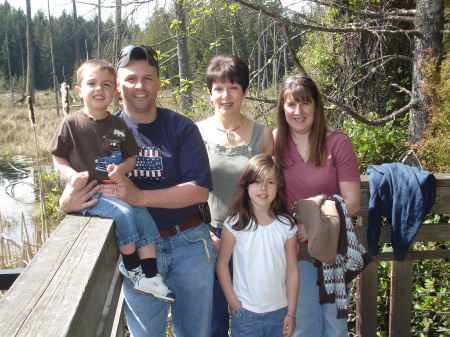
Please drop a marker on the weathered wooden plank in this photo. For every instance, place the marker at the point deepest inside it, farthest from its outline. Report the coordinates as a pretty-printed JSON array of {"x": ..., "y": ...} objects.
[
  {"x": 118, "y": 325},
  {"x": 426, "y": 233},
  {"x": 67, "y": 282},
  {"x": 108, "y": 325},
  {"x": 366, "y": 302},
  {"x": 416, "y": 255},
  {"x": 17, "y": 305},
  {"x": 400, "y": 299}
]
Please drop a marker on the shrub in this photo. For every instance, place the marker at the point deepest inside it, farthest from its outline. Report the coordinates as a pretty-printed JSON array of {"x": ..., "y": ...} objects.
[{"x": 375, "y": 145}]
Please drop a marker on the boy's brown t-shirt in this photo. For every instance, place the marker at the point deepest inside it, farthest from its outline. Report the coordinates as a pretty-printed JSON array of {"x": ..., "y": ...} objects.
[{"x": 90, "y": 145}]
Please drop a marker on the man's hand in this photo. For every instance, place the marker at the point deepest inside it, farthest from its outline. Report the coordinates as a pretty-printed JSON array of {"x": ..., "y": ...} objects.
[
  {"x": 125, "y": 190},
  {"x": 75, "y": 199}
]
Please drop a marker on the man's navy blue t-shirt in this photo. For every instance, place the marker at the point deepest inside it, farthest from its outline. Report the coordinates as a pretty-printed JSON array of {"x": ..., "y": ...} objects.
[{"x": 172, "y": 153}]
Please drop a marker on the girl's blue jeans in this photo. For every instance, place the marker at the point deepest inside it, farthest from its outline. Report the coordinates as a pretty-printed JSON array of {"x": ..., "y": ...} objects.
[
  {"x": 133, "y": 224},
  {"x": 251, "y": 324}
]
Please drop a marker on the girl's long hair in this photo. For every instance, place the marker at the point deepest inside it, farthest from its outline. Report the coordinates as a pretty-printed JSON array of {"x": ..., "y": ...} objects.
[
  {"x": 241, "y": 212},
  {"x": 301, "y": 89}
]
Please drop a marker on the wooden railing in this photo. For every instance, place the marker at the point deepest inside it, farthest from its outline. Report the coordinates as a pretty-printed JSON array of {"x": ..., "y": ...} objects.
[
  {"x": 401, "y": 272},
  {"x": 72, "y": 286}
]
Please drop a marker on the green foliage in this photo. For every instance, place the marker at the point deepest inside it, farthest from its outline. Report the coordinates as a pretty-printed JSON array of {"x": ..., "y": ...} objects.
[
  {"x": 434, "y": 147},
  {"x": 376, "y": 145},
  {"x": 430, "y": 285},
  {"x": 53, "y": 184}
]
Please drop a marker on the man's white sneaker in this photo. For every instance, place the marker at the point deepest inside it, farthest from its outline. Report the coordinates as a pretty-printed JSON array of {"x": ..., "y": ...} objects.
[
  {"x": 133, "y": 275},
  {"x": 156, "y": 287}
]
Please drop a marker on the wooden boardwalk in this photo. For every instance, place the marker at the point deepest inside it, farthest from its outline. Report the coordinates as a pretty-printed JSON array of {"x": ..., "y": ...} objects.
[{"x": 72, "y": 286}]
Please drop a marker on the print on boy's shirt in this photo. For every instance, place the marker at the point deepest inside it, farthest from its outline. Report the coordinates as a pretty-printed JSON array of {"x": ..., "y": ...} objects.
[
  {"x": 148, "y": 164},
  {"x": 112, "y": 144}
]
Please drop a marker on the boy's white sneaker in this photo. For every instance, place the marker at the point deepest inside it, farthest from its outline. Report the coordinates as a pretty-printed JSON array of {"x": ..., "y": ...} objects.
[
  {"x": 133, "y": 275},
  {"x": 156, "y": 287}
]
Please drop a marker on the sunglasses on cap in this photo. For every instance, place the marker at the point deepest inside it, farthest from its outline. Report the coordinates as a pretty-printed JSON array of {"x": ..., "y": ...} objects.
[
  {"x": 301, "y": 78},
  {"x": 125, "y": 55}
]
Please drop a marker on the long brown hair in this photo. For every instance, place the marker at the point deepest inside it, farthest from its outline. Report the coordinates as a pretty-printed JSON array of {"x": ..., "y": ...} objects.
[
  {"x": 301, "y": 89},
  {"x": 241, "y": 212}
]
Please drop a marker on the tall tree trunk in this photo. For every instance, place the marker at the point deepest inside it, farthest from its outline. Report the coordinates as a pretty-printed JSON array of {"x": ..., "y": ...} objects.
[
  {"x": 55, "y": 79},
  {"x": 23, "y": 70},
  {"x": 99, "y": 30},
  {"x": 117, "y": 41},
  {"x": 275, "y": 59},
  {"x": 183, "y": 61},
  {"x": 260, "y": 63},
  {"x": 429, "y": 21},
  {"x": 11, "y": 80},
  {"x": 30, "y": 55},
  {"x": 117, "y": 30},
  {"x": 76, "y": 34}
]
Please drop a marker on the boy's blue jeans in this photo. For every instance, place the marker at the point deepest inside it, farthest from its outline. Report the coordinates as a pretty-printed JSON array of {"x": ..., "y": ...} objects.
[{"x": 133, "y": 224}]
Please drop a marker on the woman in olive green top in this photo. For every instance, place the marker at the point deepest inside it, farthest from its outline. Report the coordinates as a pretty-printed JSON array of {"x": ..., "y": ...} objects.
[{"x": 231, "y": 139}]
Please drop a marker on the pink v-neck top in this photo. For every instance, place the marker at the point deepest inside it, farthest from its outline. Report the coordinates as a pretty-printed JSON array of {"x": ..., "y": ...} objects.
[{"x": 304, "y": 180}]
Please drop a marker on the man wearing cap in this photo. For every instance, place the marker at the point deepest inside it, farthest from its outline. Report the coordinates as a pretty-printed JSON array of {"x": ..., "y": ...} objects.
[{"x": 172, "y": 179}]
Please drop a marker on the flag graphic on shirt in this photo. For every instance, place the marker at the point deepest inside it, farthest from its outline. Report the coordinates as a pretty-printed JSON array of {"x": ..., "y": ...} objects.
[{"x": 148, "y": 164}]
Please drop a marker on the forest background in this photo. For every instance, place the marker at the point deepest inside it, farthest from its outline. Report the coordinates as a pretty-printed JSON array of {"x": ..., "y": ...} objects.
[
  {"x": 377, "y": 62},
  {"x": 383, "y": 67}
]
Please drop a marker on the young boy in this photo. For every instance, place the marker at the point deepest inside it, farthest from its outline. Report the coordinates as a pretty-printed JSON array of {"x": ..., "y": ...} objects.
[{"x": 92, "y": 144}]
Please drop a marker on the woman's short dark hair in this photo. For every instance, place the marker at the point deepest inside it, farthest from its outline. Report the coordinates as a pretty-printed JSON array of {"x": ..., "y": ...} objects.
[{"x": 227, "y": 67}]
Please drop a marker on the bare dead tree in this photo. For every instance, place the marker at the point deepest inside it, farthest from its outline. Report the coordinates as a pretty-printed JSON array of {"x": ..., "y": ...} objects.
[
  {"x": 118, "y": 28},
  {"x": 99, "y": 30},
  {"x": 30, "y": 53},
  {"x": 76, "y": 33},
  {"x": 11, "y": 80},
  {"x": 55, "y": 79},
  {"x": 183, "y": 62}
]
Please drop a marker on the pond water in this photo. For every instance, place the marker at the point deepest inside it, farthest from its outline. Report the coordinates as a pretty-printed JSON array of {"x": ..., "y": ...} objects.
[{"x": 17, "y": 196}]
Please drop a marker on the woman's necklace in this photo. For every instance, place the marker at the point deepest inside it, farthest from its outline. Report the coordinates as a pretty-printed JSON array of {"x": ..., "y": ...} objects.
[
  {"x": 230, "y": 135},
  {"x": 301, "y": 148},
  {"x": 304, "y": 149}
]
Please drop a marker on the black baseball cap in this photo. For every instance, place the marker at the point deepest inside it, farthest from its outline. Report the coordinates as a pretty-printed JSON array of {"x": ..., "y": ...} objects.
[{"x": 137, "y": 52}]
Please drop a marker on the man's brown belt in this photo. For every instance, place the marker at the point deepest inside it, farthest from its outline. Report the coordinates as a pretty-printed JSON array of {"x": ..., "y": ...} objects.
[{"x": 192, "y": 222}]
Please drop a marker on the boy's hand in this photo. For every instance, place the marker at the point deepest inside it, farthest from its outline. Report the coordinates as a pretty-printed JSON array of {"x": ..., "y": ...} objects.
[
  {"x": 115, "y": 174},
  {"x": 79, "y": 180}
]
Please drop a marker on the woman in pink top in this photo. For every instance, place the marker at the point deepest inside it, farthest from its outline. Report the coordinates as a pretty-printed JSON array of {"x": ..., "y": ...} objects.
[{"x": 317, "y": 159}]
